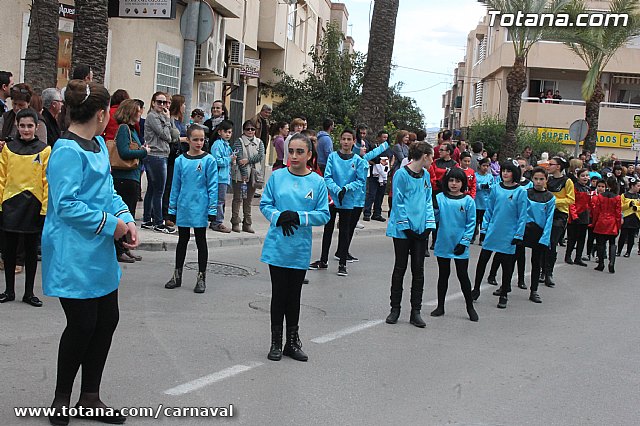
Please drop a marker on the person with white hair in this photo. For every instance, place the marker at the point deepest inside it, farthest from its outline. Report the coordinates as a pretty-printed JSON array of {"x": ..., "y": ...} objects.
[{"x": 52, "y": 103}]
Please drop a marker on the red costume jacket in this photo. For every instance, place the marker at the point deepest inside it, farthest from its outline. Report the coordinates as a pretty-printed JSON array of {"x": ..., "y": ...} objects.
[{"x": 607, "y": 214}]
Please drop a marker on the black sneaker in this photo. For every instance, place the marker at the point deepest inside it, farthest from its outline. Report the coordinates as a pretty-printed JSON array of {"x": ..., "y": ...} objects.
[
  {"x": 379, "y": 218},
  {"x": 366, "y": 218},
  {"x": 164, "y": 229},
  {"x": 502, "y": 302},
  {"x": 318, "y": 265},
  {"x": 147, "y": 225},
  {"x": 342, "y": 271},
  {"x": 351, "y": 258}
]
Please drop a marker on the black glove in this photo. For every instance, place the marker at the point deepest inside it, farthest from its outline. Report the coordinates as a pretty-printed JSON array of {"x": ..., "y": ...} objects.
[
  {"x": 634, "y": 208},
  {"x": 425, "y": 234},
  {"x": 632, "y": 204},
  {"x": 484, "y": 186},
  {"x": 171, "y": 217},
  {"x": 412, "y": 235},
  {"x": 459, "y": 249},
  {"x": 211, "y": 217},
  {"x": 341, "y": 194},
  {"x": 287, "y": 229},
  {"x": 516, "y": 242},
  {"x": 288, "y": 216}
]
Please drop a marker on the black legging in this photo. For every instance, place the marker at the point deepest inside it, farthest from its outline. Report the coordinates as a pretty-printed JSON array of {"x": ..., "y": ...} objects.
[
  {"x": 184, "y": 234},
  {"x": 537, "y": 254},
  {"x": 601, "y": 247},
  {"x": 506, "y": 261},
  {"x": 557, "y": 231},
  {"x": 403, "y": 248},
  {"x": 286, "y": 286},
  {"x": 628, "y": 236},
  {"x": 576, "y": 236},
  {"x": 343, "y": 234},
  {"x": 86, "y": 341},
  {"x": 444, "y": 270},
  {"x": 128, "y": 189},
  {"x": 355, "y": 216},
  {"x": 591, "y": 240},
  {"x": 11, "y": 244},
  {"x": 479, "y": 218}
]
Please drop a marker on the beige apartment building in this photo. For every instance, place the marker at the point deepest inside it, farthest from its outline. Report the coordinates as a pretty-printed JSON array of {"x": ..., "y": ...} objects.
[
  {"x": 479, "y": 88},
  {"x": 249, "y": 39}
]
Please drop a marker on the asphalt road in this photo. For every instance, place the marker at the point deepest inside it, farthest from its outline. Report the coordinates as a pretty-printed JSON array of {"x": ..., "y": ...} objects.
[{"x": 572, "y": 360}]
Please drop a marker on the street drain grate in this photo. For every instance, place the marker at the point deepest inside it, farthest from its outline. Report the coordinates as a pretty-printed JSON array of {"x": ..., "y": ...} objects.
[{"x": 226, "y": 269}]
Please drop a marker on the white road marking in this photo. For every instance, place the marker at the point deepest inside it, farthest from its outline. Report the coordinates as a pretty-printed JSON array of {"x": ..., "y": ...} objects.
[
  {"x": 346, "y": 331},
  {"x": 211, "y": 378}
]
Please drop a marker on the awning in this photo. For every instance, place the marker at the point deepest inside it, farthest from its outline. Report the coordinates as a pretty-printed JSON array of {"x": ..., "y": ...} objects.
[{"x": 626, "y": 79}]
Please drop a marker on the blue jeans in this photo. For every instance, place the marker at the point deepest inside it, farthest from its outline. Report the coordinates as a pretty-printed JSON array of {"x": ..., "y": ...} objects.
[
  {"x": 222, "y": 192},
  {"x": 156, "y": 168}
]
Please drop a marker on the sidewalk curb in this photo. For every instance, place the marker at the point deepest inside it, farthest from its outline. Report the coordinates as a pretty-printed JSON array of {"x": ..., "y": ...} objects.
[{"x": 238, "y": 241}]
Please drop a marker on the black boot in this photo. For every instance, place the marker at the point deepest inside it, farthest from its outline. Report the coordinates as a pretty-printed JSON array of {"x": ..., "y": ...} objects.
[
  {"x": 492, "y": 280},
  {"x": 201, "y": 283},
  {"x": 600, "y": 251},
  {"x": 567, "y": 258},
  {"x": 176, "y": 279},
  {"x": 438, "y": 311},
  {"x": 416, "y": 319},
  {"x": 393, "y": 316},
  {"x": 542, "y": 277},
  {"x": 275, "y": 353},
  {"x": 612, "y": 258},
  {"x": 293, "y": 347},
  {"x": 502, "y": 302},
  {"x": 548, "y": 280},
  {"x": 473, "y": 315}
]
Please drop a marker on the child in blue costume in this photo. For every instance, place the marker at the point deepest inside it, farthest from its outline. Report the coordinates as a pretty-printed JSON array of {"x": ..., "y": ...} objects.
[
  {"x": 456, "y": 211},
  {"x": 504, "y": 222},
  {"x": 520, "y": 260},
  {"x": 225, "y": 157},
  {"x": 411, "y": 220},
  {"x": 358, "y": 149},
  {"x": 294, "y": 200},
  {"x": 484, "y": 182},
  {"x": 194, "y": 196},
  {"x": 85, "y": 215},
  {"x": 537, "y": 234},
  {"x": 345, "y": 176}
]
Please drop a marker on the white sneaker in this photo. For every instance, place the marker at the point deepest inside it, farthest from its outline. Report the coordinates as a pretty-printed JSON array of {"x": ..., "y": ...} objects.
[{"x": 359, "y": 225}]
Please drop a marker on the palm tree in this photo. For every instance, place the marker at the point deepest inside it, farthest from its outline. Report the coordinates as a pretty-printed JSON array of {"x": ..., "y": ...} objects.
[
  {"x": 596, "y": 46},
  {"x": 375, "y": 86},
  {"x": 522, "y": 38},
  {"x": 91, "y": 35},
  {"x": 41, "y": 59}
]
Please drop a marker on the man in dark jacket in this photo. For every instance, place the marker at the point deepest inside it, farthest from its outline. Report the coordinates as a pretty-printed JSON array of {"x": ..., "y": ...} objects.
[{"x": 52, "y": 104}]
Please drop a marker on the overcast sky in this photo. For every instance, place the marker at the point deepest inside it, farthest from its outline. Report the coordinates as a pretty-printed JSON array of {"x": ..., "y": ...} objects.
[{"x": 430, "y": 36}]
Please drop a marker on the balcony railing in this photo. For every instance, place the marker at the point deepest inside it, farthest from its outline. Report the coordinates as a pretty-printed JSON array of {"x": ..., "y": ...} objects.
[{"x": 581, "y": 102}]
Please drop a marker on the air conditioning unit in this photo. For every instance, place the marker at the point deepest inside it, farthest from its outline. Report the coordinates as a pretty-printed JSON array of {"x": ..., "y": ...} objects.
[
  {"x": 236, "y": 57},
  {"x": 210, "y": 54},
  {"x": 233, "y": 76}
]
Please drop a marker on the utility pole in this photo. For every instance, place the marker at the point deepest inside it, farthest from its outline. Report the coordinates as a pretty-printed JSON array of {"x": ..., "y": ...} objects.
[{"x": 190, "y": 35}]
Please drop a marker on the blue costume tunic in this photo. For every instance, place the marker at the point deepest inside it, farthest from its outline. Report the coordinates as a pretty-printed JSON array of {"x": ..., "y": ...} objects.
[
  {"x": 412, "y": 203},
  {"x": 482, "y": 195},
  {"x": 368, "y": 156},
  {"x": 306, "y": 195},
  {"x": 349, "y": 172},
  {"x": 540, "y": 210},
  {"x": 78, "y": 255},
  {"x": 221, "y": 152},
  {"x": 457, "y": 219},
  {"x": 194, "y": 191},
  {"x": 526, "y": 183},
  {"x": 505, "y": 218}
]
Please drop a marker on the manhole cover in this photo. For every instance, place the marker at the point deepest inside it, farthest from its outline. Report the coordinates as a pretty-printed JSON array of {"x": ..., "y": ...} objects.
[{"x": 226, "y": 269}]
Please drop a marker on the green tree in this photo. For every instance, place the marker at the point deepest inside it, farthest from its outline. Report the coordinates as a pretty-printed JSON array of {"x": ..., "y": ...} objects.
[
  {"x": 329, "y": 88},
  {"x": 595, "y": 46},
  {"x": 41, "y": 59},
  {"x": 402, "y": 111},
  {"x": 522, "y": 38}
]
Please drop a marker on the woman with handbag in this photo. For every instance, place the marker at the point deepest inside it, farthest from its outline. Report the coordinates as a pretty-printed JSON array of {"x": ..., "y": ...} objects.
[
  {"x": 125, "y": 164},
  {"x": 248, "y": 175}
]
